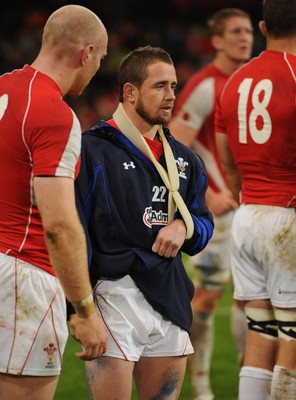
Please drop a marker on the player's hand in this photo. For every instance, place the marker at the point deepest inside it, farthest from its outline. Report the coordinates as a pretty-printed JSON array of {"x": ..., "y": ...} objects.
[
  {"x": 222, "y": 202},
  {"x": 91, "y": 333},
  {"x": 170, "y": 239}
]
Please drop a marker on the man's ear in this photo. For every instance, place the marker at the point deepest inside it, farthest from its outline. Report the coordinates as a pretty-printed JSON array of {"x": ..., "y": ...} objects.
[
  {"x": 129, "y": 91},
  {"x": 217, "y": 42},
  {"x": 262, "y": 27},
  {"x": 86, "y": 54}
]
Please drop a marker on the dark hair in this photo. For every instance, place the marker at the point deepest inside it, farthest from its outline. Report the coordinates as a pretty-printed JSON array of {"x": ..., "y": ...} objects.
[
  {"x": 280, "y": 17},
  {"x": 217, "y": 20},
  {"x": 133, "y": 67}
]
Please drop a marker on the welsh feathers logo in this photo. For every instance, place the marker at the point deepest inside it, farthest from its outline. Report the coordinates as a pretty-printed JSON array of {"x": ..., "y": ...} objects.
[
  {"x": 181, "y": 164},
  {"x": 50, "y": 350}
]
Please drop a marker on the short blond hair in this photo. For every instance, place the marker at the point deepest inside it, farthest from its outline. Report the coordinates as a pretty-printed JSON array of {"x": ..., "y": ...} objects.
[{"x": 216, "y": 23}]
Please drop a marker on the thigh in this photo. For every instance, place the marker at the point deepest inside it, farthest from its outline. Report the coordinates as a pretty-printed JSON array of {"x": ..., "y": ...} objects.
[
  {"x": 287, "y": 337},
  {"x": 159, "y": 377},
  {"x": 217, "y": 252},
  {"x": 205, "y": 300},
  {"x": 109, "y": 378},
  {"x": 287, "y": 354},
  {"x": 27, "y": 387},
  {"x": 213, "y": 263},
  {"x": 261, "y": 349}
]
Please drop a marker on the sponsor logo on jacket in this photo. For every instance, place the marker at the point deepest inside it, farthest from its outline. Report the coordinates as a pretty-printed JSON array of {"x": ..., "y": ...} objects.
[{"x": 153, "y": 217}]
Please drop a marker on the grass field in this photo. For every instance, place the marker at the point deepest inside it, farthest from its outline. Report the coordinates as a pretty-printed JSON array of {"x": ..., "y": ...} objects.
[{"x": 224, "y": 373}]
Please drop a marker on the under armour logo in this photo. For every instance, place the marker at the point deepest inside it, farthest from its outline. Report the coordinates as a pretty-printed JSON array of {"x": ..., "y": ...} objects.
[{"x": 130, "y": 165}]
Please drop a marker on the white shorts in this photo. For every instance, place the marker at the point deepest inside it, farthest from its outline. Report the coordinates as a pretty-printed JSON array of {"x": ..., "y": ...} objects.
[
  {"x": 134, "y": 328},
  {"x": 33, "y": 327},
  {"x": 214, "y": 261},
  {"x": 264, "y": 254}
]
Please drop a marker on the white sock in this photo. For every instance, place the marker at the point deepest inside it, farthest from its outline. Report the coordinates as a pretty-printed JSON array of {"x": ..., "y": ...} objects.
[
  {"x": 283, "y": 384},
  {"x": 202, "y": 341},
  {"x": 254, "y": 383},
  {"x": 239, "y": 329}
]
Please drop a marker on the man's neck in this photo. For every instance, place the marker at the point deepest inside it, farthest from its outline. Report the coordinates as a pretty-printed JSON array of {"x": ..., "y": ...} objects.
[
  {"x": 226, "y": 65},
  {"x": 287, "y": 45},
  {"x": 143, "y": 127}
]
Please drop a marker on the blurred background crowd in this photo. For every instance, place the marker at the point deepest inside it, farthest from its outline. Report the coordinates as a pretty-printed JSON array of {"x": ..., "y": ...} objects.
[{"x": 179, "y": 26}]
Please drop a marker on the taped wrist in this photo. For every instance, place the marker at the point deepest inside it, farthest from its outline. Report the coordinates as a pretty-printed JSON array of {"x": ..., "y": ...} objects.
[{"x": 86, "y": 307}]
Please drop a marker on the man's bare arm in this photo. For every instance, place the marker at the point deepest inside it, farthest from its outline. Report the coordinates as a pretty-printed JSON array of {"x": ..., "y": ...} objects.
[
  {"x": 182, "y": 133},
  {"x": 229, "y": 167},
  {"x": 66, "y": 245}
]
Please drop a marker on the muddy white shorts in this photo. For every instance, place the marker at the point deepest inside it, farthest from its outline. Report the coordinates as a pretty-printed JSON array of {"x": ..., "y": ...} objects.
[
  {"x": 134, "y": 328},
  {"x": 33, "y": 327},
  {"x": 212, "y": 266},
  {"x": 264, "y": 254}
]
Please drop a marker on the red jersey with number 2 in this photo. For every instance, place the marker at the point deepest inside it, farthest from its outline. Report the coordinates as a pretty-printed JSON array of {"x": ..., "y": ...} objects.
[{"x": 39, "y": 136}]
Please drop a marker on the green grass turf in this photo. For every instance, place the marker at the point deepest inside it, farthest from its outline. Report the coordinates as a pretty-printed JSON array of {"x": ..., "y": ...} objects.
[{"x": 224, "y": 371}]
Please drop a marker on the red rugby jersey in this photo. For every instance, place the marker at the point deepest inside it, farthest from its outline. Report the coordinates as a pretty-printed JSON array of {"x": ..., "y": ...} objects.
[
  {"x": 39, "y": 136},
  {"x": 257, "y": 111},
  {"x": 195, "y": 108}
]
